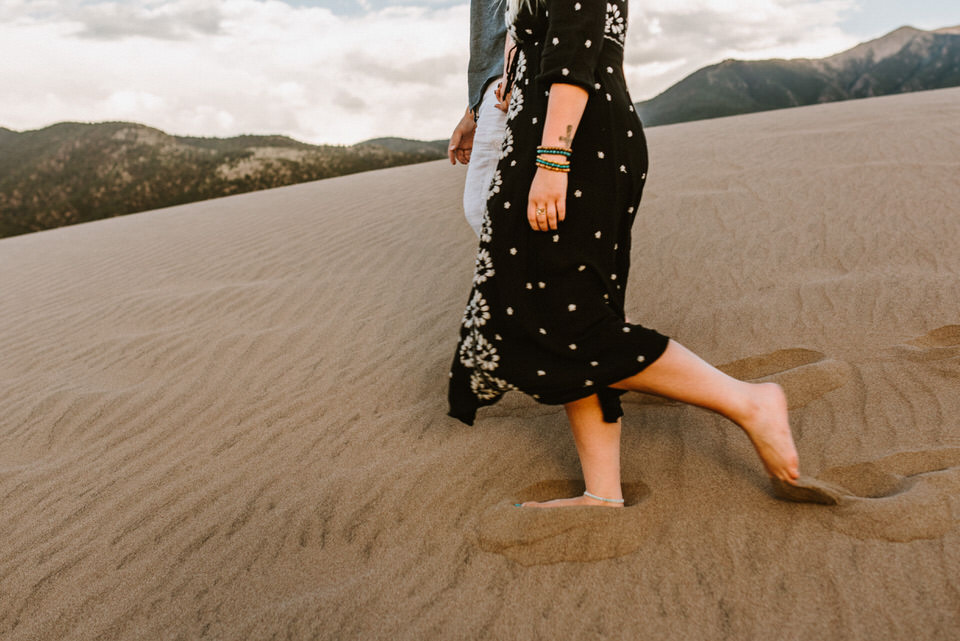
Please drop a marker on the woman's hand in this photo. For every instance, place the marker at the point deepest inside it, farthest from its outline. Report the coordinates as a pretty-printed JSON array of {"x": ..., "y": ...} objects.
[
  {"x": 547, "y": 202},
  {"x": 548, "y": 192}
]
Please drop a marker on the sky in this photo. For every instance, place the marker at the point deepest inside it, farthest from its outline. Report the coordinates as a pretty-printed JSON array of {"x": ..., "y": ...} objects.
[{"x": 343, "y": 71}]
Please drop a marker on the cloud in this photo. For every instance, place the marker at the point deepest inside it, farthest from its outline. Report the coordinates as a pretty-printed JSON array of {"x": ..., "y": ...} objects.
[
  {"x": 669, "y": 39},
  {"x": 433, "y": 71},
  {"x": 224, "y": 67},
  {"x": 347, "y": 100},
  {"x": 177, "y": 20}
]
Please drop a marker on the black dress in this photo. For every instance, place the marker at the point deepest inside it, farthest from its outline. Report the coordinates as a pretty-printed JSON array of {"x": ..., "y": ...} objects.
[{"x": 546, "y": 312}]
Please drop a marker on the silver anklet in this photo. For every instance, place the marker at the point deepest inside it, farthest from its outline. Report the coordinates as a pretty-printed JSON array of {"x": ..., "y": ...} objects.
[{"x": 600, "y": 498}]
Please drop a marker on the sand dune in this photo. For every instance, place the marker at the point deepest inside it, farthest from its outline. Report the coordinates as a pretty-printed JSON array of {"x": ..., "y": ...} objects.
[{"x": 227, "y": 420}]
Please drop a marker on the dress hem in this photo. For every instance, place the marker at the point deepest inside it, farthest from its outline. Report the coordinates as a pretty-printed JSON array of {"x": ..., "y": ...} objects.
[{"x": 609, "y": 396}]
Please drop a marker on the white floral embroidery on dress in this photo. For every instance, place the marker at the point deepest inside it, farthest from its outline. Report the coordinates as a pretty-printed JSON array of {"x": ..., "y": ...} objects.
[
  {"x": 494, "y": 187},
  {"x": 484, "y": 353},
  {"x": 467, "y": 351},
  {"x": 615, "y": 30},
  {"x": 478, "y": 311},
  {"x": 516, "y": 103},
  {"x": 486, "y": 387},
  {"x": 486, "y": 227},
  {"x": 521, "y": 65},
  {"x": 484, "y": 267},
  {"x": 516, "y": 95},
  {"x": 506, "y": 147}
]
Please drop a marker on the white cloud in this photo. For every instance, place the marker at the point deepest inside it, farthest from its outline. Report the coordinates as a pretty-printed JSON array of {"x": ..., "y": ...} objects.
[
  {"x": 173, "y": 20},
  {"x": 224, "y": 67},
  {"x": 231, "y": 66},
  {"x": 669, "y": 39}
]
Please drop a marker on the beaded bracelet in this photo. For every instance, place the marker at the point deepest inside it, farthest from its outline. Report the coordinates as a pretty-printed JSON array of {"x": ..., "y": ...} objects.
[
  {"x": 550, "y": 163},
  {"x": 552, "y": 166},
  {"x": 559, "y": 151}
]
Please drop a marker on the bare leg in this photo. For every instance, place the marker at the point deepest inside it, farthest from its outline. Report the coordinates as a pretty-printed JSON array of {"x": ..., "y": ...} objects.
[
  {"x": 759, "y": 409},
  {"x": 598, "y": 445}
]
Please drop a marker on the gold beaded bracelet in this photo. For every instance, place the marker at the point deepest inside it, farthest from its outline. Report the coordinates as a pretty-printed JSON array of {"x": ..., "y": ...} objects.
[
  {"x": 552, "y": 166},
  {"x": 559, "y": 151}
]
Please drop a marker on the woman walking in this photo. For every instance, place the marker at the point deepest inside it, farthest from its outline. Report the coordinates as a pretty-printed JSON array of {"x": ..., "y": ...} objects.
[{"x": 546, "y": 312}]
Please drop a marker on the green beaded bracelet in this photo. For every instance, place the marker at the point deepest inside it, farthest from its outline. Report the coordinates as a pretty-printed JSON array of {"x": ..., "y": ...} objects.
[
  {"x": 553, "y": 166},
  {"x": 559, "y": 151},
  {"x": 558, "y": 165}
]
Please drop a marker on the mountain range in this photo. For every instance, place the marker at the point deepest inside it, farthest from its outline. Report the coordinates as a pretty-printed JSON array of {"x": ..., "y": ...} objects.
[
  {"x": 904, "y": 60},
  {"x": 72, "y": 172}
]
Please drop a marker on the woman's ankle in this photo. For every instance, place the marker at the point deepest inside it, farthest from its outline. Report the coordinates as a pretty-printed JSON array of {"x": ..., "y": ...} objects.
[{"x": 750, "y": 405}]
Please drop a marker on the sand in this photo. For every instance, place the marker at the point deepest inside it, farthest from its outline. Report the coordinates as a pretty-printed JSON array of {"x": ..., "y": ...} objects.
[{"x": 226, "y": 420}]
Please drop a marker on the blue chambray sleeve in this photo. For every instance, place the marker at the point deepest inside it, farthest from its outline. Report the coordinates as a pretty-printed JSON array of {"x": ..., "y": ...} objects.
[{"x": 573, "y": 42}]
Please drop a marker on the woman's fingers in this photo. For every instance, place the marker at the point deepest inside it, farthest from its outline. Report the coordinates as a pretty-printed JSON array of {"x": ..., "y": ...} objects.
[
  {"x": 544, "y": 220},
  {"x": 551, "y": 216},
  {"x": 545, "y": 216},
  {"x": 537, "y": 216},
  {"x": 532, "y": 215},
  {"x": 546, "y": 203}
]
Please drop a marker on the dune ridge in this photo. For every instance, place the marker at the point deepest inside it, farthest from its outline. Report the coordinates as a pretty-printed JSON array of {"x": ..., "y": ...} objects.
[{"x": 227, "y": 419}]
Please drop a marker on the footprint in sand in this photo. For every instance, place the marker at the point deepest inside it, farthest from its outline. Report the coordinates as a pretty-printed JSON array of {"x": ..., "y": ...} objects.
[
  {"x": 901, "y": 497},
  {"x": 532, "y": 536},
  {"x": 937, "y": 345},
  {"x": 805, "y": 375}
]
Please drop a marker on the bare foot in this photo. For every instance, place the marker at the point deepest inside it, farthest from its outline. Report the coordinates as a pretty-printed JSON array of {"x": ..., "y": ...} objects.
[
  {"x": 577, "y": 501},
  {"x": 768, "y": 427}
]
